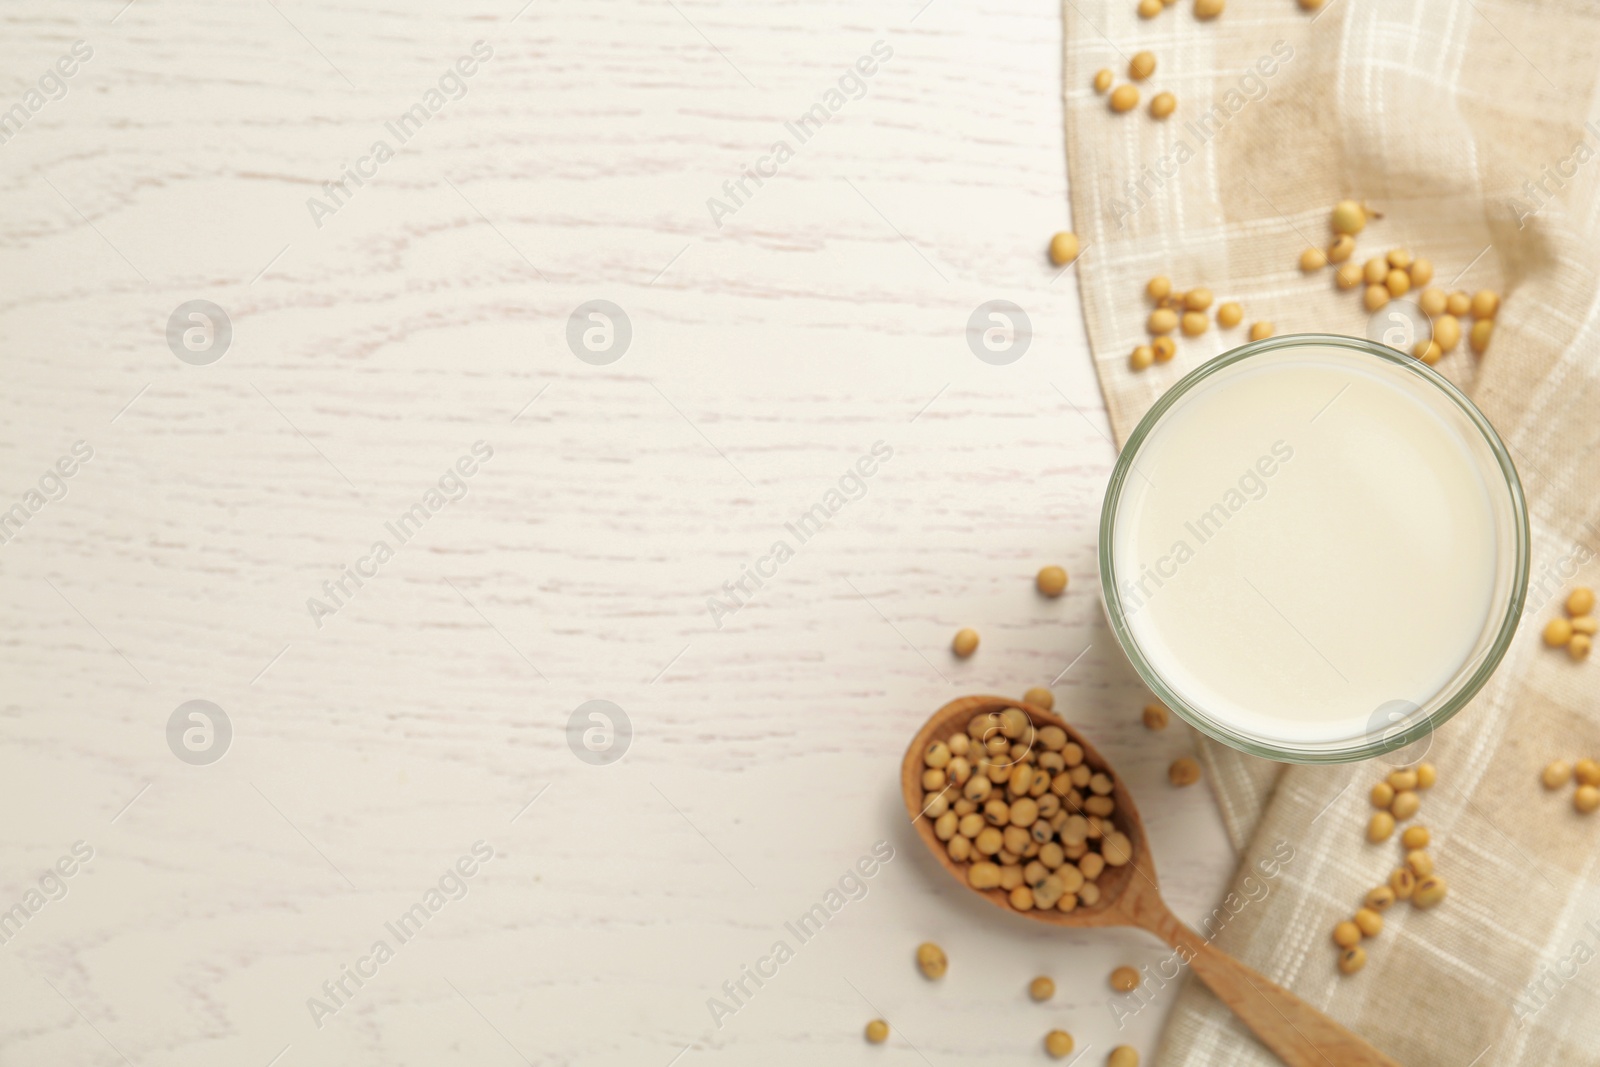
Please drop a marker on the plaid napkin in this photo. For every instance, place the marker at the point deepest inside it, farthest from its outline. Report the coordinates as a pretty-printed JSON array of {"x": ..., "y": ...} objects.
[{"x": 1471, "y": 125}]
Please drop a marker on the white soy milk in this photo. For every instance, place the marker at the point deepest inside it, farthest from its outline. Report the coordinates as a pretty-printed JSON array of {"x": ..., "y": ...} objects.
[{"x": 1306, "y": 537}]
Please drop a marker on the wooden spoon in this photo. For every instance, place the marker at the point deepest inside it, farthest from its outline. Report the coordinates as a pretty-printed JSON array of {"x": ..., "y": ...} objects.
[{"x": 1297, "y": 1032}]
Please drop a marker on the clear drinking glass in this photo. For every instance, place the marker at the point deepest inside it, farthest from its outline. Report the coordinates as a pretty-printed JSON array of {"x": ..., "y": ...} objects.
[{"x": 1392, "y": 724}]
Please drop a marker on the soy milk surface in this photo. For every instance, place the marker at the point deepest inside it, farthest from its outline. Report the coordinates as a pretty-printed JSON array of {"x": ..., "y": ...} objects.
[{"x": 1305, "y": 538}]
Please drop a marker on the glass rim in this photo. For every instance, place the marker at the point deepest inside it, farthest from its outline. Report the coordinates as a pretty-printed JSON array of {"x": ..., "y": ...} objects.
[{"x": 1315, "y": 752}]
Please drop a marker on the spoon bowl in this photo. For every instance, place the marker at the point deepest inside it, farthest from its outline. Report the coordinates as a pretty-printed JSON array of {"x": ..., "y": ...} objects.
[
  {"x": 1299, "y": 1034},
  {"x": 1114, "y": 882}
]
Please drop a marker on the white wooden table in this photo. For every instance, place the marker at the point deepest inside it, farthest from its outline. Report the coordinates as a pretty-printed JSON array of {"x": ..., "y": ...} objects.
[{"x": 429, "y": 709}]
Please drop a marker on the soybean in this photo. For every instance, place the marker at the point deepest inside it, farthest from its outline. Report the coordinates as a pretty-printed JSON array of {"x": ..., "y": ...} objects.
[
  {"x": 1556, "y": 774},
  {"x": 1369, "y": 922},
  {"x": 1260, "y": 331},
  {"x": 1183, "y": 772},
  {"x": 1482, "y": 330},
  {"x": 877, "y": 1031},
  {"x": 1313, "y": 259},
  {"x": 1058, "y": 1043},
  {"x": 1380, "y": 827},
  {"x": 1124, "y": 979},
  {"x": 1162, "y": 105},
  {"x": 1580, "y": 601},
  {"x": 1352, "y": 960},
  {"x": 1142, "y": 65},
  {"x": 1156, "y": 716},
  {"x": 931, "y": 960},
  {"x": 1406, "y": 804},
  {"x": 1041, "y": 988},
  {"x": 984, "y": 875},
  {"x": 1586, "y": 799},
  {"x": 1348, "y": 217},
  {"x": 1229, "y": 315},
  {"x": 965, "y": 642},
  {"x": 1194, "y": 323},
  {"x": 1025, "y": 812},
  {"x": 1051, "y": 580},
  {"x": 1063, "y": 248},
  {"x": 1415, "y": 837},
  {"x": 1102, "y": 80},
  {"x": 1430, "y": 891},
  {"x": 1124, "y": 98},
  {"x": 1040, "y": 697},
  {"x": 1380, "y": 898},
  {"x": 1117, "y": 848}
]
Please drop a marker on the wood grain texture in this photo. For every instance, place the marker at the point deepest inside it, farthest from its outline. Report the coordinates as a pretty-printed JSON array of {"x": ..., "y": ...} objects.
[{"x": 430, "y": 312}]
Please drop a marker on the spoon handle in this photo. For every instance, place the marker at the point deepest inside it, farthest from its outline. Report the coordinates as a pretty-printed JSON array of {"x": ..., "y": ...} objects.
[{"x": 1301, "y": 1035}]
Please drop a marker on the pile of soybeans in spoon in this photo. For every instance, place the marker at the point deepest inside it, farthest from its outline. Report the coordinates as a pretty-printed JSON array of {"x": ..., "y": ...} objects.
[{"x": 1024, "y": 811}]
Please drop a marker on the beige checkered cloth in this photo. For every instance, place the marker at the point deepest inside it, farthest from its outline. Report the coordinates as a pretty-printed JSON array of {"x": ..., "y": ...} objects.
[{"x": 1437, "y": 112}]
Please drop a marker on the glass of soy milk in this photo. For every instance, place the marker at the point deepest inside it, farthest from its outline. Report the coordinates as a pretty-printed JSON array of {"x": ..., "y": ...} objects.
[{"x": 1314, "y": 549}]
